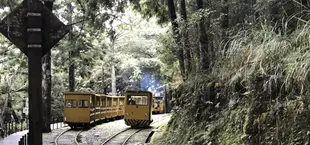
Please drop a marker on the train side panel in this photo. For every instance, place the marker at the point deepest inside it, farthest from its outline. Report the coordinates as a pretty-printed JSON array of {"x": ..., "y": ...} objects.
[{"x": 77, "y": 108}]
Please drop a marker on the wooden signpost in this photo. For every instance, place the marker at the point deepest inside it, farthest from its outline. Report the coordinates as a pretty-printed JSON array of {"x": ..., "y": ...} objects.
[{"x": 25, "y": 27}]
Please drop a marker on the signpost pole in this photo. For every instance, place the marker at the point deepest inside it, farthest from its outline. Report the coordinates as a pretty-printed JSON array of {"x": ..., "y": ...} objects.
[
  {"x": 34, "y": 46},
  {"x": 23, "y": 27}
]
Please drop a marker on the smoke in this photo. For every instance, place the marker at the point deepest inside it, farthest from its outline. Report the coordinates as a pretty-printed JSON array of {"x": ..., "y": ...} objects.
[{"x": 150, "y": 82}]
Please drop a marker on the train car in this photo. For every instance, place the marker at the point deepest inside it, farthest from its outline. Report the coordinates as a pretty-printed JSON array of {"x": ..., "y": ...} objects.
[
  {"x": 138, "y": 108},
  {"x": 158, "y": 105},
  {"x": 78, "y": 109},
  {"x": 86, "y": 109}
]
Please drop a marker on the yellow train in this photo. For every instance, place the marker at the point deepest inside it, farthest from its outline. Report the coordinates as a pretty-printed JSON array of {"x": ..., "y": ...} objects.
[
  {"x": 158, "y": 105},
  {"x": 138, "y": 108},
  {"x": 85, "y": 109}
]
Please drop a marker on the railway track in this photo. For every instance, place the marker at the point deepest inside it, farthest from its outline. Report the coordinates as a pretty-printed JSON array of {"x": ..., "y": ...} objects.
[
  {"x": 122, "y": 137},
  {"x": 67, "y": 133}
]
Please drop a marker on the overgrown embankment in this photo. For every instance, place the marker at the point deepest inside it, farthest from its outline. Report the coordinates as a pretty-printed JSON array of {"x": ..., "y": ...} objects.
[{"x": 257, "y": 94}]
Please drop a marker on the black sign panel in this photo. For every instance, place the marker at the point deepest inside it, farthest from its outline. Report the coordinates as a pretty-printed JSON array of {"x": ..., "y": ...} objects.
[{"x": 14, "y": 28}]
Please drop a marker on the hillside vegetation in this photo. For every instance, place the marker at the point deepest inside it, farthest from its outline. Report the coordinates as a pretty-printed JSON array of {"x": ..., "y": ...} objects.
[{"x": 257, "y": 94}]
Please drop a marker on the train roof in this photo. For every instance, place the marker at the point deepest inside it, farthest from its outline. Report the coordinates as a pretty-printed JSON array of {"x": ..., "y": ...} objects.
[
  {"x": 157, "y": 96},
  {"x": 116, "y": 96},
  {"x": 78, "y": 93},
  {"x": 131, "y": 91}
]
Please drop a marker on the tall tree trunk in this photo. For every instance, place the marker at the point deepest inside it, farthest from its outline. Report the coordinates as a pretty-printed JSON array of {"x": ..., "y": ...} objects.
[
  {"x": 203, "y": 40},
  {"x": 103, "y": 82},
  {"x": 113, "y": 78},
  {"x": 176, "y": 36},
  {"x": 71, "y": 55},
  {"x": 71, "y": 74},
  {"x": 224, "y": 25},
  {"x": 47, "y": 79},
  {"x": 185, "y": 45}
]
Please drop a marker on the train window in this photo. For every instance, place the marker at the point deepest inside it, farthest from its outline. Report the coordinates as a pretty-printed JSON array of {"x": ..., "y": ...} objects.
[
  {"x": 83, "y": 103},
  {"x": 109, "y": 103},
  {"x": 137, "y": 100},
  {"x": 74, "y": 103},
  {"x": 121, "y": 102},
  {"x": 115, "y": 102},
  {"x": 70, "y": 103}
]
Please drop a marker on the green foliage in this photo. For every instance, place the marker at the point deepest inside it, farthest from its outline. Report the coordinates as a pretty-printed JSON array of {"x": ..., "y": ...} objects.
[
  {"x": 256, "y": 94},
  {"x": 151, "y": 8}
]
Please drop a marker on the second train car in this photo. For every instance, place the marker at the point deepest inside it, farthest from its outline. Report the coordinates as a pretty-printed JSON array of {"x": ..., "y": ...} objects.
[{"x": 158, "y": 105}]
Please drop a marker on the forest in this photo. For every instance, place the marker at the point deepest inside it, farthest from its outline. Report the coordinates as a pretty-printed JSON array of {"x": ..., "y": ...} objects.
[{"x": 238, "y": 70}]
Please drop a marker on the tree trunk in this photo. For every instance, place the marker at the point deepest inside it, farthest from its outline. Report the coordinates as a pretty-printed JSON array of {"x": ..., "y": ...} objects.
[
  {"x": 185, "y": 45},
  {"x": 113, "y": 78},
  {"x": 224, "y": 25},
  {"x": 103, "y": 82},
  {"x": 176, "y": 36},
  {"x": 47, "y": 80},
  {"x": 71, "y": 74},
  {"x": 71, "y": 55},
  {"x": 203, "y": 40}
]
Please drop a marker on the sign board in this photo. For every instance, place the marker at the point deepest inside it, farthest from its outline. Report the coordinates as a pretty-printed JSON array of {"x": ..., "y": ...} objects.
[{"x": 14, "y": 28}]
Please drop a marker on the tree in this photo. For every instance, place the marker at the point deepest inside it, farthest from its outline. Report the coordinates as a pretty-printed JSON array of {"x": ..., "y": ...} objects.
[
  {"x": 203, "y": 39},
  {"x": 224, "y": 24},
  {"x": 176, "y": 35},
  {"x": 188, "y": 61},
  {"x": 72, "y": 53}
]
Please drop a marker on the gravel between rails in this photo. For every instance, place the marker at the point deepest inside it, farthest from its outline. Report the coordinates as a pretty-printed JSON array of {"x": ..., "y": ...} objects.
[
  {"x": 99, "y": 133},
  {"x": 129, "y": 134},
  {"x": 68, "y": 137},
  {"x": 49, "y": 138},
  {"x": 121, "y": 138},
  {"x": 140, "y": 137}
]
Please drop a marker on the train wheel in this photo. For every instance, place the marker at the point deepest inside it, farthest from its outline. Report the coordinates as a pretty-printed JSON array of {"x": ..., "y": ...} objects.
[
  {"x": 71, "y": 126},
  {"x": 87, "y": 126},
  {"x": 74, "y": 127}
]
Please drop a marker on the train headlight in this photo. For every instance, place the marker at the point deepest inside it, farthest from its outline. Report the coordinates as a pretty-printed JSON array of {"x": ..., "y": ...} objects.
[{"x": 126, "y": 114}]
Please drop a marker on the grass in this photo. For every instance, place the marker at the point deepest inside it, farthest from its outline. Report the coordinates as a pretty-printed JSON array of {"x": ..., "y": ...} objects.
[{"x": 256, "y": 94}]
